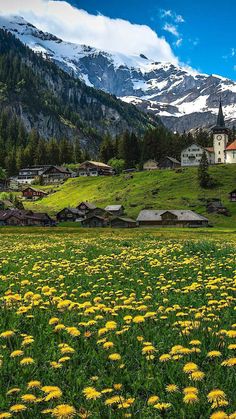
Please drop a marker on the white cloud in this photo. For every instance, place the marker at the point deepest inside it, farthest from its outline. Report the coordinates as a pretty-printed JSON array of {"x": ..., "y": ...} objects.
[
  {"x": 172, "y": 15},
  {"x": 178, "y": 43},
  {"x": 76, "y": 25},
  {"x": 179, "y": 19},
  {"x": 171, "y": 29}
]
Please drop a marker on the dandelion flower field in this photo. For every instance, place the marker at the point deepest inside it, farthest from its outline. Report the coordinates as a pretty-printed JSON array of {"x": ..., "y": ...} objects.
[{"x": 110, "y": 325}]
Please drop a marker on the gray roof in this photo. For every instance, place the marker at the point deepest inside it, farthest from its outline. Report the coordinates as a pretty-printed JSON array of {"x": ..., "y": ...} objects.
[
  {"x": 130, "y": 220},
  {"x": 113, "y": 207},
  {"x": 173, "y": 159},
  {"x": 183, "y": 215},
  {"x": 88, "y": 205}
]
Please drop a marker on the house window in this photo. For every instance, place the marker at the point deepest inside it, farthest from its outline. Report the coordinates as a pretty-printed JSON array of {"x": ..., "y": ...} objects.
[
  {"x": 218, "y": 152},
  {"x": 218, "y": 143},
  {"x": 234, "y": 154}
]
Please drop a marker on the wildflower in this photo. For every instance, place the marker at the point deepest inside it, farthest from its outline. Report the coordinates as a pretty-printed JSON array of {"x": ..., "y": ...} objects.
[
  {"x": 190, "y": 398},
  {"x": 113, "y": 400},
  {"x": 152, "y": 400},
  {"x": 190, "y": 367},
  {"x": 5, "y": 415},
  {"x": 13, "y": 390},
  {"x": 149, "y": 349},
  {"x": 56, "y": 394},
  {"x": 108, "y": 345},
  {"x": 172, "y": 388},
  {"x": 231, "y": 362},
  {"x": 187, "y": 390},
  {"x": 111, "y": 325},
  {"x": 27, "y": 361},
  {"x": 197, "y": 375},
  {"x": 117, "y": 386},
  {"x": 219, "y": 415},
  {"x": 164, "y": 358},
  {"x": 28, "y": 398},
  {"x": 17, "y": 408},
  {"x": 64, "y": 411},
  {"x": 34, "y": 384},
  {"x": 91, "y": 393},
  {"x": 49, "y": 389},
  {"x": 7, "y": 334},
  {"x": 114, "y": 357},
  {"x": 162, "y": 406},
  {"x": 16, "y": 353},
  {"x": 214, "y": 354},
  {"x": 216, "y": 395},
  {"x": 138, "y": 319}
]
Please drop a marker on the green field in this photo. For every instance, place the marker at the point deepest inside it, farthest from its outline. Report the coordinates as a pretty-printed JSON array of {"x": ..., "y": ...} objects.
[
  {"x": 107, "y": 324},
  {"x": 164, "y": 189}
]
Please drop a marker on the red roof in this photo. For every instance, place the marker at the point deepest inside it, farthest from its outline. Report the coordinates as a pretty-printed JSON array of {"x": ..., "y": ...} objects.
[{"x": 231, "y": 146}]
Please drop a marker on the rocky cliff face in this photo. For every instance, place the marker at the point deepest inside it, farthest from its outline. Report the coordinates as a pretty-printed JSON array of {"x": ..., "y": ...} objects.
[
  {"x": 182, "y": 98},
  {"x": 56, "y": 104}
]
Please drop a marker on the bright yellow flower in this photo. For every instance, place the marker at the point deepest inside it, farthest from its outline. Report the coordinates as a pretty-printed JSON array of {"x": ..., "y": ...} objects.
[
  {"x": 91, "y": 393},
  {"x": 64, "y": 411}
]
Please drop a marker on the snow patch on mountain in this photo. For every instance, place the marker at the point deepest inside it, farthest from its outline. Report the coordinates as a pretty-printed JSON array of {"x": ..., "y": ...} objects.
[{"x": 181, "y": 96}]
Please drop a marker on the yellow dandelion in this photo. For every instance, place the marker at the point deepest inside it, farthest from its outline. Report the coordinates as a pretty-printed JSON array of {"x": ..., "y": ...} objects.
[
  {"x": 114, "y": 357},
  {"x": 216, "y": 395},
  {"x": 5, "y": 415},
  {"x": 190, "y": 367},
  {"x": 64, "y": 411},
  {"x": 28, "y": 398},
  {"x": 7, "y": 334},
  {"x": 138, "y": 319},
  {"x": 190, "y": 398},
  {"x": 17, "y": 408},
  {"x": 152, "y": 400},
  {"x": 197, "y": 375},
  {"x": 16, "y": 353},
  {"x": 164, "y": 358},
  {"x": 34, "y": 384},
  {"x": 13, "y": 390},
  {"x": 91, "y": 393},
  {"x": 172, "y": 388},
  {"x": 231, "y": 362},
  {"x": 214, "y": 354},
  {"x": 27, "y": 361},
  {"x": 162, "y": 406},
  {"x": 187, "y": 390},
  {"x": 219, "y": 415}
]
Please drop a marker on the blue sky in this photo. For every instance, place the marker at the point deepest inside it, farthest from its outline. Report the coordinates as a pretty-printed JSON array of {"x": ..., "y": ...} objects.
[{"x": 207, "y": 38}]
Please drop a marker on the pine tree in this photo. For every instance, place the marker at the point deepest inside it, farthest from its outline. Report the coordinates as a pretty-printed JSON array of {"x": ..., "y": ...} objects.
[
  {"x": 203, "y": 175},
  {"x": 107, "y": 149}
]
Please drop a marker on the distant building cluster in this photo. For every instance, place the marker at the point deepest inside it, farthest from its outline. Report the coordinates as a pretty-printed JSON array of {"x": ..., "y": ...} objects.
[{"x": 221, "y": 152}]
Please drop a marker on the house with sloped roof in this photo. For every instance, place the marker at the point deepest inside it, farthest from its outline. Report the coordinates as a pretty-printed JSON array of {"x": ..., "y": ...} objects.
[
  {"x": 94, "y": 168},
  {"x": 171, "y": 218},
  {"x": 69, "y": 214},
  {"x": 169, "y": 163},
  {"x": 115, "y": 209}
]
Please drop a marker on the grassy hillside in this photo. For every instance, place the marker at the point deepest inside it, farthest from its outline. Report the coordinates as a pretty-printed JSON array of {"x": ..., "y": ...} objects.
[{"x": 164, "y": 189}]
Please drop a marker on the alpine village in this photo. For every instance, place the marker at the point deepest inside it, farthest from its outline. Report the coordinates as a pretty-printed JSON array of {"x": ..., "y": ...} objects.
[{"x": 57, "y": 164}]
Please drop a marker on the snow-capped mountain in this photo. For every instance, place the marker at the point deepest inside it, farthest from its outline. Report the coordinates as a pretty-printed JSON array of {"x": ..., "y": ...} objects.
[{"x": 183, "y": 98}]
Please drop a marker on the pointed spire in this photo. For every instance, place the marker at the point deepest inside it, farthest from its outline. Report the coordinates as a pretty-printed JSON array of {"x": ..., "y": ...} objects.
[{"x": 220, "y": 118}]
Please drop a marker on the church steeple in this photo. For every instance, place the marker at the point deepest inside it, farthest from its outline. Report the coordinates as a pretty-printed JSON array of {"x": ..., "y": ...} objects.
[{"x": 220, "y": 119}]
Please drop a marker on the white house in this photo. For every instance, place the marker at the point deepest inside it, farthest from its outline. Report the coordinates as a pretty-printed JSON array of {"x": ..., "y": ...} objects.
[
  {"x": 150, "y": 165},
  {"x": 191, "y": 155},
  {"x": 221, "y": 152},
  {"x": 231, "y": 152}
]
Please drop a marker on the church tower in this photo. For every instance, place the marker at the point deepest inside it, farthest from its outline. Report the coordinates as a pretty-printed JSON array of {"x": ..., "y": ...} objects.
[{"x": 220, "y": 137}]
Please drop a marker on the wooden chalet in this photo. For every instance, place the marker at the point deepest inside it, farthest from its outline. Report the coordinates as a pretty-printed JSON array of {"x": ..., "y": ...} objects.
[
  {"x": 169, "y": 163},
  {"x": 54, "y": 174},
  {"x": 95, "y": 221},
  {"x": 232, "y": 196},
  {"x": 70, "y": 214},
  {"x": 15, "y": 217},
  {"x": 33, "y": 194},
  {"x": 86, "y": 207},
  {"x": 150, "y": 165},
  {"x": 122, "y": 222},
  {"x": 171, "y": 218},
  {"x": 115, "y": 209},
  {"x": 94, "y": 168}
]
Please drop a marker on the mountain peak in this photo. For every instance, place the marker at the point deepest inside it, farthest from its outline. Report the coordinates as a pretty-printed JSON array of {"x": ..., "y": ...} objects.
[{"x": 184, "y": 98}]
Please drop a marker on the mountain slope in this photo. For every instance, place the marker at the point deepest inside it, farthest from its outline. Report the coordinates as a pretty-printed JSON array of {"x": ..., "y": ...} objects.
[
  {"x": 182, "y": 98},
  {"x": 56, "y": 104},
  {"x": 162, "y": 189}
]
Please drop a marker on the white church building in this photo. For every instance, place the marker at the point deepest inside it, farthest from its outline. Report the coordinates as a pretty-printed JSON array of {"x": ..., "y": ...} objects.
[{"x": 221, "y": 152}]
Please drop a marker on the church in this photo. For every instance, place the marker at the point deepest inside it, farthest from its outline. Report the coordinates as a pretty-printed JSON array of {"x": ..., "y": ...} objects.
[{"x": 221, "y": 152}]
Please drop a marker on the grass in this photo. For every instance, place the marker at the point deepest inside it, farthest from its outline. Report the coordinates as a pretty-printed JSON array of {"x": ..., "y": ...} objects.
[
  {"x": 161, "y": 301},
  {"x": 164, "y": 189}
]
